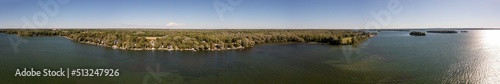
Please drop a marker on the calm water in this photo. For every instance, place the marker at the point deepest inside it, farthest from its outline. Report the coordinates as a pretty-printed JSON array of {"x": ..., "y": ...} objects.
[{"x": 390, "y": 57}]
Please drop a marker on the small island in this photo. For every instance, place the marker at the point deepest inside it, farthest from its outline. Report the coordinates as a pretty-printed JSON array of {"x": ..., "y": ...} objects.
[
  {"x": 415, "y": 33},
  {"x": 443, "y": 31}
]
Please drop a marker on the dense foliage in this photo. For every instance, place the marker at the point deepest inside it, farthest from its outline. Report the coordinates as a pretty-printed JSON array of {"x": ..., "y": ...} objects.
[
  {"x": 415, "y": 33},
  {"x": 198, "y": 39},
  {"x": 443, "y": 31}
]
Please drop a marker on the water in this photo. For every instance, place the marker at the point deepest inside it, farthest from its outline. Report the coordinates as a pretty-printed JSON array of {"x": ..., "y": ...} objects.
[{"x": 390, "y": 57}]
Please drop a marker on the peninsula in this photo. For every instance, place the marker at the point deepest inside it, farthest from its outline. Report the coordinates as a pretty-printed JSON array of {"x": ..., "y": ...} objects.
[
  {"x": 161, "y": 39},
  {"x": 442, "y": 31}
]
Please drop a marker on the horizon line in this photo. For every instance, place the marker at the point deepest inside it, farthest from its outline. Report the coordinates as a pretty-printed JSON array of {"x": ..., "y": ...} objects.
[{"x": 255, "y": 28}]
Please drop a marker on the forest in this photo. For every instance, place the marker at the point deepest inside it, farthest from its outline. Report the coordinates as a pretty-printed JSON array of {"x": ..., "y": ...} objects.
[{"x": 162, "y": 39}]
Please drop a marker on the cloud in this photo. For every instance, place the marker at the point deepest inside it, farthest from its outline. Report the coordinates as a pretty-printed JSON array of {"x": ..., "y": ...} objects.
[{"x": 173, "y": 24}]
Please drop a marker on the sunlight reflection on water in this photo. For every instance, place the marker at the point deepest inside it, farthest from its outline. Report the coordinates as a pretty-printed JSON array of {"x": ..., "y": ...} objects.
[
  {"x": 489, "y": 64},
  {"x": 482, "y": 64}
]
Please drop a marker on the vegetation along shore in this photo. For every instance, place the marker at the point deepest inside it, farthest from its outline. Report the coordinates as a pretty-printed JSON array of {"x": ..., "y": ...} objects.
[
  {"x": 157, "y": 39},
  {"x": 442, "y": 31},
  {"x": 416, "y": 33}
]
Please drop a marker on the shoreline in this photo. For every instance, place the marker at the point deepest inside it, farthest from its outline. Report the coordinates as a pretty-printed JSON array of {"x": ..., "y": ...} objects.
[
  {"x": 209, "y": 40},
  {"x": 167, "y": 49},
  {"x": 140, "y": 49}
]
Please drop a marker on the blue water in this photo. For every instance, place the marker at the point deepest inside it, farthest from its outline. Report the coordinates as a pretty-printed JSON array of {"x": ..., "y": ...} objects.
[{"x": 390, "y": 57}]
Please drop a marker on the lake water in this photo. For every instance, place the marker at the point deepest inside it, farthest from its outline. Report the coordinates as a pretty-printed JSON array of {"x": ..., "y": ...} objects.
[{"x": 390, "y": 57}]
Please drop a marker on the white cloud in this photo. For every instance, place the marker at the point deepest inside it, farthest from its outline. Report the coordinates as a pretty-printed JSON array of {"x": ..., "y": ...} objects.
[{"x": 173, "y": 24}]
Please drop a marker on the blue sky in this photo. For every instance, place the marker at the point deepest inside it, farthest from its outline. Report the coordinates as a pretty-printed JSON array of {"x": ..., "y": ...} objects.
[{"x": 250, "y": 14}]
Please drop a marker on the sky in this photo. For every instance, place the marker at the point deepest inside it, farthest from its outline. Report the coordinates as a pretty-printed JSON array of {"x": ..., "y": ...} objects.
[{"x": 250, "y": 14}]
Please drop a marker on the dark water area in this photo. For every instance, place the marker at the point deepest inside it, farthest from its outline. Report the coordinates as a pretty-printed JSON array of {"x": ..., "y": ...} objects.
[{"x": 390, "y": 57}]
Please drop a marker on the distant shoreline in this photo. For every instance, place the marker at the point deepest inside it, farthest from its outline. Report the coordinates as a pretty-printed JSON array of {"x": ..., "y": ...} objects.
[{"x": 252, "y": 29}]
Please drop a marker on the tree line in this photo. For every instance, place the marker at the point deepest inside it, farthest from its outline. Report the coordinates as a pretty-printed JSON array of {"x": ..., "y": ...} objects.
[{"x": 198, "y": 39}]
